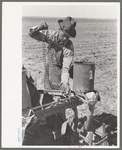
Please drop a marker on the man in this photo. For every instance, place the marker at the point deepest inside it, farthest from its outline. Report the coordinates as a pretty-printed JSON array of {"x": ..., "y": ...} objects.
[{"x": 60, "y": 52}]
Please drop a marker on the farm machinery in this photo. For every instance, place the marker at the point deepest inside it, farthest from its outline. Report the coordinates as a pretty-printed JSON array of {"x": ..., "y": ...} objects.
[{"x": 81, "y": 101}]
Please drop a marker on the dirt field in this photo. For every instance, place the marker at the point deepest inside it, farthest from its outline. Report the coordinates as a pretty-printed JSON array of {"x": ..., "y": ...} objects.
[{"x": 96, "y": 40}]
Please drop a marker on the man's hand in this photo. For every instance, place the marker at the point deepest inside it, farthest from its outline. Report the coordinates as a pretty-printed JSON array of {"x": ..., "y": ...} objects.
[
  {"x": 65, "y": 86},
  {"x": 42, "y": 26}
]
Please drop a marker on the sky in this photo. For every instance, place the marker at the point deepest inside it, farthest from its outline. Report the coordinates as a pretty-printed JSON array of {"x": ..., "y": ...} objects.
[{"x": 78, "y": 10}]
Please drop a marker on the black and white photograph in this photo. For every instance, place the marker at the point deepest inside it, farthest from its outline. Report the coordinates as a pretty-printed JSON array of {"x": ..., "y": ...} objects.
[{"x": 69, "y": 75}]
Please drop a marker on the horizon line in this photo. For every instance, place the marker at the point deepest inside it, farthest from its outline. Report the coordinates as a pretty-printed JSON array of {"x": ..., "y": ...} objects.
[{"x": 73, "y": 17}]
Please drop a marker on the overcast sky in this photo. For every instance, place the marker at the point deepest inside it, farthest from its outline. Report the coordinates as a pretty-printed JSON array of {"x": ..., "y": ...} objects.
[{"x": 79, "y": 10}]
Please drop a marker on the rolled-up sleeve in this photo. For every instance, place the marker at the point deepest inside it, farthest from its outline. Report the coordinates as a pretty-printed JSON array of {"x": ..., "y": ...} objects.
[
  {"x": 68, "y": 53},
  {"x": 37, "y": 34}
]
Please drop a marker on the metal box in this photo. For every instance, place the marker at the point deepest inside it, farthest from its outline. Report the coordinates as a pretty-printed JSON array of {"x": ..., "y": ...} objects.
[{"x": 83, "y": 76}]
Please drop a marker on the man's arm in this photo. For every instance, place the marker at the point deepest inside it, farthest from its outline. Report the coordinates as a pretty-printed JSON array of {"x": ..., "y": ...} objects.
[
  {"x": 68, "y": 53},
  {"x": 39, "y": 32}
]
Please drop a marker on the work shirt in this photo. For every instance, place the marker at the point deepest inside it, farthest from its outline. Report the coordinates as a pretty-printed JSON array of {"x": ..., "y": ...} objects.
[{"x": 62, "y": 55}]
